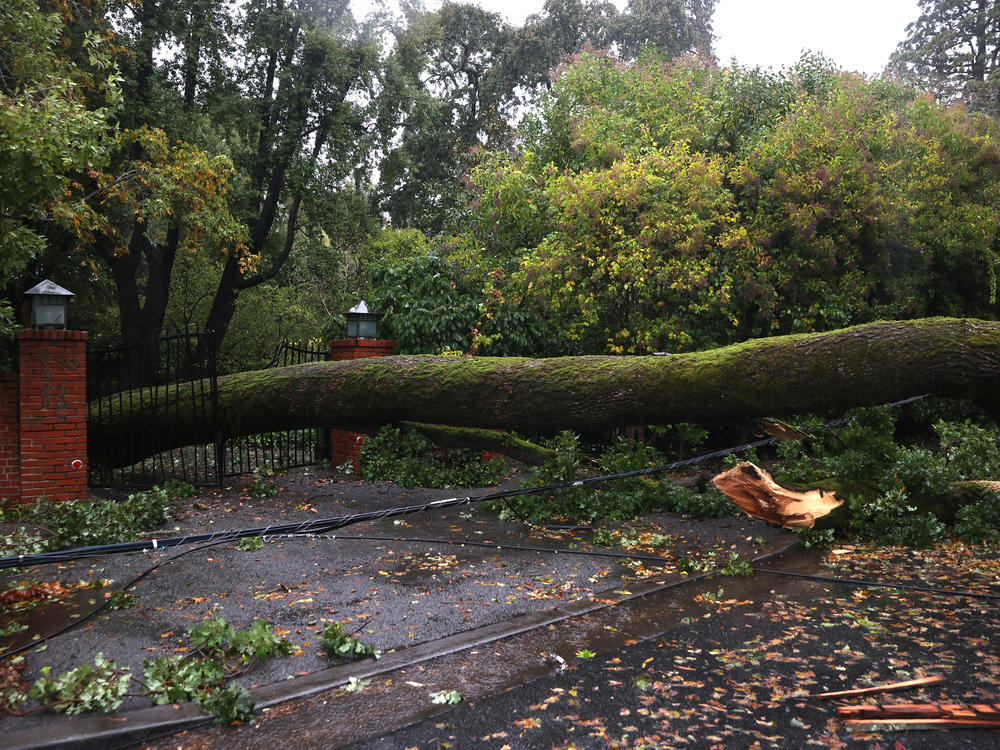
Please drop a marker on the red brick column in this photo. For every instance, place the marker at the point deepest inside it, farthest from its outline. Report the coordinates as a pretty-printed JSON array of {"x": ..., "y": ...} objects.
[
  {"x": 346, "y": 445},
  {"x": 10, "y": 438},
  {"x": 52, "y": 386}
]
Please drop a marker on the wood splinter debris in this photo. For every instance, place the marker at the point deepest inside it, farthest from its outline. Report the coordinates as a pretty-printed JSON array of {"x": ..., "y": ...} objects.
[
  {"x": 758, "y": 495},
  {"x": 903, "y": 716},
  {"x": 888, "y": 687}
]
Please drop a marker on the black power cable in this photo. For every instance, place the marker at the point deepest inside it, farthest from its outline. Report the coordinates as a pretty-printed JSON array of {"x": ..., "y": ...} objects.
[
  {"x": 107, "y": 602},
  {"x": 321, "y": 526},
  {"x": 517, "y": 547},
  {"x": 324, "y": 525}
]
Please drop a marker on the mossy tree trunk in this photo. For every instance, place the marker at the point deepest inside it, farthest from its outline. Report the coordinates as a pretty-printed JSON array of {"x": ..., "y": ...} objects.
[{"x": 780, "y": 376}]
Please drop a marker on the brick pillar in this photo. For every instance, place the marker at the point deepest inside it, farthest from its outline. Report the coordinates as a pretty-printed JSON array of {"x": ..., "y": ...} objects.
[
  {"x": 52, "y": 414},
  {"x": 346, "y": 445},
  {"x": 10, "y": 438}
]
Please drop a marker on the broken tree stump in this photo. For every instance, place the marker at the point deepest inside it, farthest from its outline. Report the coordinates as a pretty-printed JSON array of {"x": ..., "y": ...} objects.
[{"x": 758, "y": 495}]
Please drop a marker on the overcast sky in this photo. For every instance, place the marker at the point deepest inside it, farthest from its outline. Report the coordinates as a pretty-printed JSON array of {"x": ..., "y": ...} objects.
[{"x": 856, "y": 34}]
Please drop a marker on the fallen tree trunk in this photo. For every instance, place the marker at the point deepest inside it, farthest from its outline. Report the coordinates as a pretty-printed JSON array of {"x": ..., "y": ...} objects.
[{"x": 859, "y": 366}]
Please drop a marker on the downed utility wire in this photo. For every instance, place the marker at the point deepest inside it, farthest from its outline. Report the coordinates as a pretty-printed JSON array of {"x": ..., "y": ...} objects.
[
  {"x": 656, "y": 558},
  {"x": 324, "y": 525},
  {"x": 106, "y": 603}
]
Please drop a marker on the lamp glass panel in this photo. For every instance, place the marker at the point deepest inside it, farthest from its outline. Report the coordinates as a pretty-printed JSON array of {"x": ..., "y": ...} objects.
[
  {"x": 48, "y": 313},
  {"x": 367, "y": 329}
]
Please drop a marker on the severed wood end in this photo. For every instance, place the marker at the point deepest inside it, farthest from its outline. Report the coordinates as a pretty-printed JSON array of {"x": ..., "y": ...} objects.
[{"x": 753, "y": 490}]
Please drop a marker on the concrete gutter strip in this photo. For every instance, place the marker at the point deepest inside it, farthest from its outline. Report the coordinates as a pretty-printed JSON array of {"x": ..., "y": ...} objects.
[{"x": 106, "y": 732}]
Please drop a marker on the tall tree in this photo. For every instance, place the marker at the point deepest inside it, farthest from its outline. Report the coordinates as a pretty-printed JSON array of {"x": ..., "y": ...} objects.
[
  {"x": 447, "y": 96},
  {"x": 464, "y": 77},
  {"x": 952, "y": 49},
  {"x": 58, "y": 88},
  {"x": 239, "y": 123},
  {"x": 674, "y": 27}
]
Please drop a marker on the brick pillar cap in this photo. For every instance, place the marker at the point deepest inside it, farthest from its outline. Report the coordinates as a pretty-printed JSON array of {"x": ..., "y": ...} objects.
[{"x": 37, "y": 334}]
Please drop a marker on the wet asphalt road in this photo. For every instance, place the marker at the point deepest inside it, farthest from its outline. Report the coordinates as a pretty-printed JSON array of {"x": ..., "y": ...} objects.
[
  {"x": 392, "y": 590},
  {"x": 681, "y": 668}
]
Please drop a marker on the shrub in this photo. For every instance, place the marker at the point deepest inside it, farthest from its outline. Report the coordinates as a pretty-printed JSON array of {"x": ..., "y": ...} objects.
[
  {"x": 77, "y": 523},
  {"x": 979, "y": 523},
  {"x": 892, "y": 519},
  {"x": 617, "y": 499},
  {"x": 409, "y": 459}
]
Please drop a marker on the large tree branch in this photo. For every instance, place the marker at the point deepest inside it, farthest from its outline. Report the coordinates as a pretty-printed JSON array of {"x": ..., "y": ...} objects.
[{"x": 859, "y": 366}]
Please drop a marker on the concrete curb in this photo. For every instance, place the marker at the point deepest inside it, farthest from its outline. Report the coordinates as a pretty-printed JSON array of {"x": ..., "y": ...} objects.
[{"x": 106, "y": 732}]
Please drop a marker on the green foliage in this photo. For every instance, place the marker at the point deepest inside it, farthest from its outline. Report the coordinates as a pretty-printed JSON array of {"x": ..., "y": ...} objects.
[
  {"x": 86, "y": 688},
  {"x": 212, "y": 636},
  {"x": 447, "y": 697},
  {"x": 231, "y": 704},
  {"x": 979, "y": 522},
  {"x": 736, "y": 567},
  {"x": 178, "y": 489},
  {"x": 615, "y": 500},
  {"x": 8, "y": 330},
  {"x": 816, "y": 537},
  {"x": 221, "y": 652},
  {"x": 895, "y": 491},
  {"x": 667, "y": 205},
  {"x": 174, "y": 679},
  {"x": 258, "y": 641},
  {"x": 920, "y": 473},
  {"x": 681, "y": 439},
  {"x": 121, "y": 600},
  {"x": 261, "y": 488},
  {"x": 891, "y": 518},
  {"x": 426, "y": 305},
  {"x": 57, "y": 92},
  {"x": 250, "y": 543},
  {"x": 404, "y": 456},
  {"x": 867, "y": 447},
  {"x": 971, "y": 451},
  {"x": 336, "y": 643},
  {"x": 77, "y": 523}
]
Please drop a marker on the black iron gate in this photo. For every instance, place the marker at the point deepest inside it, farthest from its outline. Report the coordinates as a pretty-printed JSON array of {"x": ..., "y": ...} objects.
[
  {"x": 125, "y": 386},
  {"x": 288, "y": 449},
  {"x": 136, "y": 394}
]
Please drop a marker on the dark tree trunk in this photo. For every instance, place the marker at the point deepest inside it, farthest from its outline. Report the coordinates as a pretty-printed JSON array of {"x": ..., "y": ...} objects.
[{"x": 785, "y": 375}]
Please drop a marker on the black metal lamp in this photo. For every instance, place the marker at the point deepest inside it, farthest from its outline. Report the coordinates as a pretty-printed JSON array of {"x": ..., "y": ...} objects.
[
  {"x": 48, "y": 305},
  {"x": 362, "y": 324}
]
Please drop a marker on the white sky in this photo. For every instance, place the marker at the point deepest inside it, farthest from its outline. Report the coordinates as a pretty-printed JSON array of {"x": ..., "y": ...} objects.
[{"x": 856, "y": 34}]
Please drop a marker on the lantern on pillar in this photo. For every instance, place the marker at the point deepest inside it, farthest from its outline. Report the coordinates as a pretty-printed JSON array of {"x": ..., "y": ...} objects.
[
  {"x": 48, "y": 305},
  {"x": 362, "y": 324}
]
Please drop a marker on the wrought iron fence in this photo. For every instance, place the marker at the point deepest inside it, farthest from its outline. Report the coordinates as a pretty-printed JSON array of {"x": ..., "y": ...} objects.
[
  {"x": 136, "y": 394},
  {"x": 274, "y": 451}
]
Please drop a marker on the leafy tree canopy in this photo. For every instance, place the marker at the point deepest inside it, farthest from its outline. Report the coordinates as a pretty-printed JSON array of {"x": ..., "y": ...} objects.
[
  {"x": 58, "y": 89},
  {"x": 673, "y": 205}
]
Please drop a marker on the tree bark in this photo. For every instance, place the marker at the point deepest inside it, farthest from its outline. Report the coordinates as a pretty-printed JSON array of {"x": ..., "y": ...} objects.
[{"x": 781, "y": 376}]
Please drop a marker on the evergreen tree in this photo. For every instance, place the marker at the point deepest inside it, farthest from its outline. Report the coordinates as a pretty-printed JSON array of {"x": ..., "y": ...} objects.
[{"x": 952, "y": 50}]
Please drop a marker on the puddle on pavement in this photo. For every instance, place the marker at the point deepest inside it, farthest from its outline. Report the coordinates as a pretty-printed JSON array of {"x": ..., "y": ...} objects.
[{"x": 47, "y": 616}]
